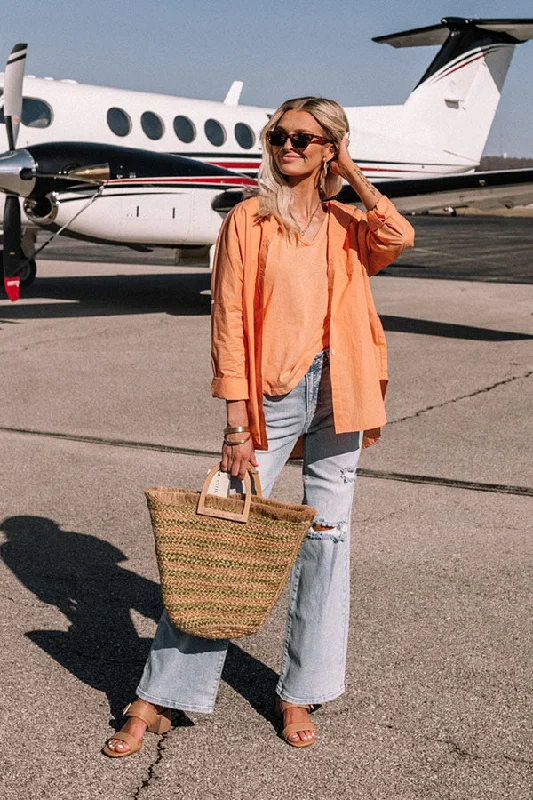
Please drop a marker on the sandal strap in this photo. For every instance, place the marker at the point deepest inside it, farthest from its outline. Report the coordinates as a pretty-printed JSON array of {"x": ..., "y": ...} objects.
[
  {"x": 297, "y": 727},
  {"x": 142, "y": 710}
]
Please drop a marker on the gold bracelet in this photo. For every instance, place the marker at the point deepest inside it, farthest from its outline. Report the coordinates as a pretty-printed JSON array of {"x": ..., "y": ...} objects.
[
  {"x": 237, "y": 429},
  {"x": 234, "y": 444}
]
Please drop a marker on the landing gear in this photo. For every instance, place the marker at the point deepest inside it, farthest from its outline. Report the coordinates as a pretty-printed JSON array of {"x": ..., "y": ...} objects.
[{"x": 28, "y": 270}]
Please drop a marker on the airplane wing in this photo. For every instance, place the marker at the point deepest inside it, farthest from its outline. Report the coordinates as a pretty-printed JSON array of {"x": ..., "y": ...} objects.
[{"x": 484, "y": 190}]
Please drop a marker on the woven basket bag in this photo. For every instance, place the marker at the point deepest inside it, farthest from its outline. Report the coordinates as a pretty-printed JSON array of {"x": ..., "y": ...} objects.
[{"x": 223, "y": 561}]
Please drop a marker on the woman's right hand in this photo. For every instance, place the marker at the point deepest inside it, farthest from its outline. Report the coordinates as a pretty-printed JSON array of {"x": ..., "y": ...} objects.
[{"x": 235, "y": 458}]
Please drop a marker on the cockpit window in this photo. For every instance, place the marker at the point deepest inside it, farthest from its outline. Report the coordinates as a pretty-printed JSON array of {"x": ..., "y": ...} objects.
[
  {"x": 35, "y": 113},
  {"x": 152, "y": 125},
  {"x": 244, "y": 135},
  {"x": 184, "y": 129},
  {"x": 215, "y": 132},
  {"x": 118, "y": 121}
]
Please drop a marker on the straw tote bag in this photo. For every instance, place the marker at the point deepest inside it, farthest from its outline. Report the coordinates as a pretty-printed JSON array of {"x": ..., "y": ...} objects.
[{"x": 223, "y": 561}]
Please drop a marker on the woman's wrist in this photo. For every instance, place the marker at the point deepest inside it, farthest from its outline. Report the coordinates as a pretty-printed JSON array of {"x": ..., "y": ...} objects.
[
  {"x": 236, "y": 414},
  {"x": 360, "y": 184}
]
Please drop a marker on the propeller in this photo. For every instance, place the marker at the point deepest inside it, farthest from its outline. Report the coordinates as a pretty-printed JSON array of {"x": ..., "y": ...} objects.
[{"x": 13, "y": 79}]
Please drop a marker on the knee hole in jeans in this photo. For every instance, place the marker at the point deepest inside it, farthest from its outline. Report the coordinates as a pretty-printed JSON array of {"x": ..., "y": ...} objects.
[
  {"x": 348, "y": 474},
  {"x": 323, "y": 530}
]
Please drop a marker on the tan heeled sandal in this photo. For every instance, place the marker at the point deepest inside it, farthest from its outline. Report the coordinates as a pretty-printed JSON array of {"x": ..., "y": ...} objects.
[
  {"x": 156, "y": 722},
  {"x": 294, "y": 727}
]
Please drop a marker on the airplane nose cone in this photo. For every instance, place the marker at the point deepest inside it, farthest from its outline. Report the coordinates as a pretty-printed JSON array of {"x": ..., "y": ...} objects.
[{"x": 17, "y": 173}]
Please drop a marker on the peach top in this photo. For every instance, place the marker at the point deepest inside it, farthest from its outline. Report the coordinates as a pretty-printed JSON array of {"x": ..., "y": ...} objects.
[
  {"x": 295, "y": 308},
  {"x": 358, "y": 245}
]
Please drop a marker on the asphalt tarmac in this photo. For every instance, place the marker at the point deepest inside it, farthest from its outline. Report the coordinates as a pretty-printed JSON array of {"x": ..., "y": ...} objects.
[
  {"x": 105, "y": 392},
  {"x": 480, "y": 248}
]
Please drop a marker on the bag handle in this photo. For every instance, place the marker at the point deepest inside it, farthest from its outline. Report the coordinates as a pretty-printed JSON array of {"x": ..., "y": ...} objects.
[{"x": 206, "y": 511}]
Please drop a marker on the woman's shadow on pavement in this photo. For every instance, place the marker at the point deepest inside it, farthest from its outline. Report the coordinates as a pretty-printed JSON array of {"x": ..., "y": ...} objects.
[{"x": 84, "y": 578}]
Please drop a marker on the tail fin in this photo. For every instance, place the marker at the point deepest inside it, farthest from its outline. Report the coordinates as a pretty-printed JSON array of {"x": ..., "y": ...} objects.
[{"x": 455, "y": 101}]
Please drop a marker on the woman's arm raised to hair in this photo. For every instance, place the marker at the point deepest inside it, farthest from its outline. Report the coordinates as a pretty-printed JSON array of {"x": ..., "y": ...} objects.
[
  {"x": 344, "y": 166},
  {"x": 383, "y": 232}
]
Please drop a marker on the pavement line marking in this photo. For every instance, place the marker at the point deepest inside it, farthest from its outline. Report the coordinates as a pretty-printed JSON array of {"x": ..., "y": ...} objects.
[{"x": 500, "y": 488}]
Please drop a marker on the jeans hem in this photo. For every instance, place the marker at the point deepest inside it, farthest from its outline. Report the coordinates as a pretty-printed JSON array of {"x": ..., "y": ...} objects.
[
  {"x": 160, "y": 701},
  {"x": 309, "y": 702}
]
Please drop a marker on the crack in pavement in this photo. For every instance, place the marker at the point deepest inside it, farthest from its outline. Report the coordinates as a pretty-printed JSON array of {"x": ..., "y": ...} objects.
[
  {"x": 151, "y": 767},
  {"x": 461, "y": 752},
  {"x": 499, "y": 488},
  {"x": 23, "y": 348},
  {"x": 462, "y": 397}
]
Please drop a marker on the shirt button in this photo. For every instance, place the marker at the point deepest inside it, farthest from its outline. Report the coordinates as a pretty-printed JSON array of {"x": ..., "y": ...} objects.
[{"x": 332, "y": 352}]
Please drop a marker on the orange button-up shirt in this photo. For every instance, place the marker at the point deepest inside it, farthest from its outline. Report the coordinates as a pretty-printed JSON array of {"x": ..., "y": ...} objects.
[{"x": 359, "y": 245}]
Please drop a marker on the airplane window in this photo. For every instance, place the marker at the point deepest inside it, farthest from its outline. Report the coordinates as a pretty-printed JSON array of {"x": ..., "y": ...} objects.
[
  {"x": 215, "y": 132},
  {"x": 184, "y": 129},
  {"x": 152, "y": 125},
  {"x": 118, "y": 121},
  {"x": 35, "y": 113},
  {"x": 244, "y": 135}
]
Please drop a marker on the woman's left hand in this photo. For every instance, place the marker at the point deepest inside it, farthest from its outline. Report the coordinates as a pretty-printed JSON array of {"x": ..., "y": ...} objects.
[{"x": 343, "y": 164}]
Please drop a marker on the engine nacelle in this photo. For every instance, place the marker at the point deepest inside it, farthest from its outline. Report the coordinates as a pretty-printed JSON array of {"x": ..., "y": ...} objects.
[{"x": 158, "y": 216}]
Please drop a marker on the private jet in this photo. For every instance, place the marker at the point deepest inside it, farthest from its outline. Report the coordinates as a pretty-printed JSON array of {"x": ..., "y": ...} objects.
[{"x": 151, "y": 170}]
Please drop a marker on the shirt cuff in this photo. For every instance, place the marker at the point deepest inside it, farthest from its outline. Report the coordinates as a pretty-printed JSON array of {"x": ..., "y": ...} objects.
[
  {"x": 378, "y": 215},
  {"x": 230, "y": 388}
]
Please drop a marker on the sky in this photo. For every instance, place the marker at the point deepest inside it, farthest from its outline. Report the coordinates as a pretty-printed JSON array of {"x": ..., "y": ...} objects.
[{"x": 280, "y": 49}]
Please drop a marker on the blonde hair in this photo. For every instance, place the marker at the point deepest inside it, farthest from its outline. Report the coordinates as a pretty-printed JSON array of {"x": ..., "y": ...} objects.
[{"x": 274, "y": 194}]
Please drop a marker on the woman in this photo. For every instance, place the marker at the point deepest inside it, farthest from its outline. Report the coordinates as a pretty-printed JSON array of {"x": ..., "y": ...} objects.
[{"x": 297, "y": 351}]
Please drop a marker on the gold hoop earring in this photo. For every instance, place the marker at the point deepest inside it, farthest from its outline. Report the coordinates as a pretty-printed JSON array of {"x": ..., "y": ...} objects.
[{"x": 323, "y": 176}]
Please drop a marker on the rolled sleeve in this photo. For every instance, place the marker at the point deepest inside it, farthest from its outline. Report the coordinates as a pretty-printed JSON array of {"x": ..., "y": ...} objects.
[
  {"x": 386, "y": 234},
  {"x": 228, "y": 352},
  {"x": 229, "y": 388}
]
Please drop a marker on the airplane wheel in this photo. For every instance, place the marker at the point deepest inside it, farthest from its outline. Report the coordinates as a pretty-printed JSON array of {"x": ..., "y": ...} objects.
[{"x": 28, "y": 271}]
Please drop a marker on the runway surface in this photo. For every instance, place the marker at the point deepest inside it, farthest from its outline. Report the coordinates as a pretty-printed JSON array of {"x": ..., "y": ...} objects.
[
  {"x": 106, "y": 390},
  {"x": 458, "y": 248}
]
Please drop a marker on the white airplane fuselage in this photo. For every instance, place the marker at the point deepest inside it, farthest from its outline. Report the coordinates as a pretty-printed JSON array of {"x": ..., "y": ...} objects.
[
  {"x": 379, "y": 135},
  {"x": 440, "y": 130}
]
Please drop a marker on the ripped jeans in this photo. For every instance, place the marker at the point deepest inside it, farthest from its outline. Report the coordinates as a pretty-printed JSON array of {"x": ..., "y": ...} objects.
[{"x": 183, "y": 671}]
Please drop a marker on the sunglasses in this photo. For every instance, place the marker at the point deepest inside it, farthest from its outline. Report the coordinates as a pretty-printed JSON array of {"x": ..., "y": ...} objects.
[{"x": 299, "y": 140}]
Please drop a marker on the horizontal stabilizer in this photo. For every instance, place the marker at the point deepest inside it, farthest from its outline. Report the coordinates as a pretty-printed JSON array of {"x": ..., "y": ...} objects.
[{"x": 519, "y": 30}]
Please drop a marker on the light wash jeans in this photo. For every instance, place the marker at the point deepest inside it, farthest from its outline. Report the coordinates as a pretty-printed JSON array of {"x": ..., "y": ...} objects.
[{"x": 183, "y": 671}]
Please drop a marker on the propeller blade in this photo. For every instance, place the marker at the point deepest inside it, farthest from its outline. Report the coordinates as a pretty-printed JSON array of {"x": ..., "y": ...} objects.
[
  {"x": 13, "y": 78},
  {"x": 12, "y": 234}
]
